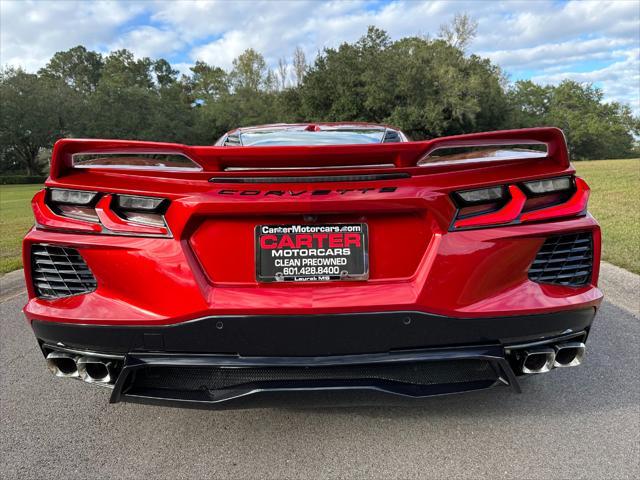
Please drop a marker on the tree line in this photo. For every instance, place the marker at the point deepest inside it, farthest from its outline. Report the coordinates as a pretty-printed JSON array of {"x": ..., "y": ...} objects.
[{"x": 428, "y": 87}]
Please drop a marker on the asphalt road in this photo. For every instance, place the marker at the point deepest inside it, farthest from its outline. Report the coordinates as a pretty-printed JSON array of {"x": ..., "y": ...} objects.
[{"x": 573, "y": 423}]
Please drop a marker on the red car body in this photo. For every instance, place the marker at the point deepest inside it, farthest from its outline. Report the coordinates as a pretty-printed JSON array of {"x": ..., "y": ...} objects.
[{"x": 440, "y": 286}]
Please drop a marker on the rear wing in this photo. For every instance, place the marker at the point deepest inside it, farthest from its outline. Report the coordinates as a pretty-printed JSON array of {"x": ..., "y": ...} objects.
[{"x": 441, "y": 153}]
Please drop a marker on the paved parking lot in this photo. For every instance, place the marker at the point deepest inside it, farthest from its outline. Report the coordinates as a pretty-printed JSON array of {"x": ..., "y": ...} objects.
[{"x": 572, "y": 423}]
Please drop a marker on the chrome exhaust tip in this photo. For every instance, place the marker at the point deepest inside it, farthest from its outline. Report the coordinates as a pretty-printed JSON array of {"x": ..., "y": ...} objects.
[
  {"x": 569, "y": 354},
  {"x": 62, "y": 365},
  {"x": 95, "y": 370},
  {"x": 538, "y": 361}
]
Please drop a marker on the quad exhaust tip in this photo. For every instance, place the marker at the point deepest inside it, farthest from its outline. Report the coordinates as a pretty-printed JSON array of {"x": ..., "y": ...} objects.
[
  {"x": 95, "y": 370},
  {"x": 542, "y": 360},
  {"x": 538, "y": 361},
  {"x": 569, "y": 354},
  {"x": 62, "y": 365},
  {"x": 89, "y": 369}
]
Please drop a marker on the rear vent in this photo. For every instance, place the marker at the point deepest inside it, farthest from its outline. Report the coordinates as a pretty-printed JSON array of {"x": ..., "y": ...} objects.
[
  {"x": 60, "y": 272},
  {"x": 564, "y": 260}
]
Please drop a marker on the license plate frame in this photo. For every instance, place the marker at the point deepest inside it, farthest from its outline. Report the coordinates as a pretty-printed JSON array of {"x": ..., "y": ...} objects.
[{"x": 353, "y": 266}]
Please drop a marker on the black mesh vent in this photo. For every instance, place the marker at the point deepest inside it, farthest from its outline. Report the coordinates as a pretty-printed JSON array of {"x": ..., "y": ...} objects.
[
  {"x": 564, "y": 260},
  {"x": 215, "y": 378},
  {"x": 60, "y": 272}
]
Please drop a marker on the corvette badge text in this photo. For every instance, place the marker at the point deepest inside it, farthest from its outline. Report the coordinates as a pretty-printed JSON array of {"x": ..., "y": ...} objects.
[{"x": 299, "y": 193}]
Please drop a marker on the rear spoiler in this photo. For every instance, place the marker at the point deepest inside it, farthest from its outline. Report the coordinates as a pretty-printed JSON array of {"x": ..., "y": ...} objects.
[{"x": 384, "y": 155}]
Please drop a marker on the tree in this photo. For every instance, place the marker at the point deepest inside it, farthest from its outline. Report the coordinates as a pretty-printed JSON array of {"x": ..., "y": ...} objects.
[
  {"x": 283, "y": 72},
  {"x": 299, "y": 65},
  {"x": 165, "y": 75},
  {"x": 490, "y": 93},
  {"x": 122, "y": 69},
  {"x": 249, "y": 71},
  {"x": 426, "y": 87},
  {"x": 340, "y": 84},
  {"x": 129, "y": 104},
  {"x": 530, "y": 102},
  {"x": 460, "y": 32},
  {"x": 594, "y": 128},
  {"x": 172, "y": 117},
  {"x": 78, "y": 67},
  {"x": 208, "y": 83},
  {"x": 271, "y": 82},
  {"x": 32, "y": 116}
]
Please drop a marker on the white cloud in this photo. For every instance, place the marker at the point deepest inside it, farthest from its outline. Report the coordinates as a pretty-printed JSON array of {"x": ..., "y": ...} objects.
[
  {"x": 553, "y": 54},
  {"x": 148, "y": 41},
  {"x": 540, "y": 22},
  {"x": 31, "y": 31},
  {"x": 197, "y": 19},
  {"x": 278, "y": 29},
  {"x": 620, "y": 81},
  {"x": 223, "y": 51}
]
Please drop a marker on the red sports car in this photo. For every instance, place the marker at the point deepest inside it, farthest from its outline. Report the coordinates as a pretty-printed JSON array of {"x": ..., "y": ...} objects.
[{"x": 311, "y": 257}]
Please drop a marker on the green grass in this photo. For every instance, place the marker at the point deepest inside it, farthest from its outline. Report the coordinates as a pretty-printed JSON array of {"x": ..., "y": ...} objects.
[
  {"x": 15, "y": 219},
  {"x": 614, "y": 202}
]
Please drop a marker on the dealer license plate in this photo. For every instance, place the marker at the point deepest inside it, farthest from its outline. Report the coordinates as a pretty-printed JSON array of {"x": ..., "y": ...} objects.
[{"x": 311, "y": 253}]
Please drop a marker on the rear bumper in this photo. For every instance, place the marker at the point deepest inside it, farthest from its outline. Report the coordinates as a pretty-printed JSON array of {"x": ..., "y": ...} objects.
[
  {"x": 210, "y": 361},
  {"x": 467, "y": 274},
  {"x": 314, "y": 335}
]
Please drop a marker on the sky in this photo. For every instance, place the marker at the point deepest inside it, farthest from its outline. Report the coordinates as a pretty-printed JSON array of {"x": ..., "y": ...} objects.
[{"x": 542, "y": 40}]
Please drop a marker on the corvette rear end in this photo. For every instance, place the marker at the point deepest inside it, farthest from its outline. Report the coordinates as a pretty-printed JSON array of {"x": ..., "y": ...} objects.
[{"x": 197, "y": 275}]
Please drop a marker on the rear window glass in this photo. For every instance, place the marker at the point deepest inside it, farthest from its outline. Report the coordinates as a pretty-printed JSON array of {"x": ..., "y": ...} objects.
[{"x": 265, "y": 138}]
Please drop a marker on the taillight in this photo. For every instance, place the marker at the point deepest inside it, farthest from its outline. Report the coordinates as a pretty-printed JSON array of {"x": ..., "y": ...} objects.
[
  {"x": 80, "y": 210},
  {"x": 482, "y": 195},
  {"x": 120, "y": 219},
  {"x": 143, "y": 210},
  {"x": 575, "y": 204},
  {"x": 548, "y": 185},
  {"x": 72, "y": 197},
  {"x": 78, "y": 204},
  {"x": 512, "y": 204},
  {"x": 507, "y": 213}
]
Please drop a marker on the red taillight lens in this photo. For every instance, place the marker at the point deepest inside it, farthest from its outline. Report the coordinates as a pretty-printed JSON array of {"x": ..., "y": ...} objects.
[
  {"x": 47, "y": 217},
  {"x": 507, "y": 214},
  {"x": 121, "y": 224},
  {"x": 575, "y": 205},
  {"x": 87, "y": 211},
  {"x": 87, "y": 214},
  {"x": 78, "y": 204},
  {"x": 530, "y": 201}
]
